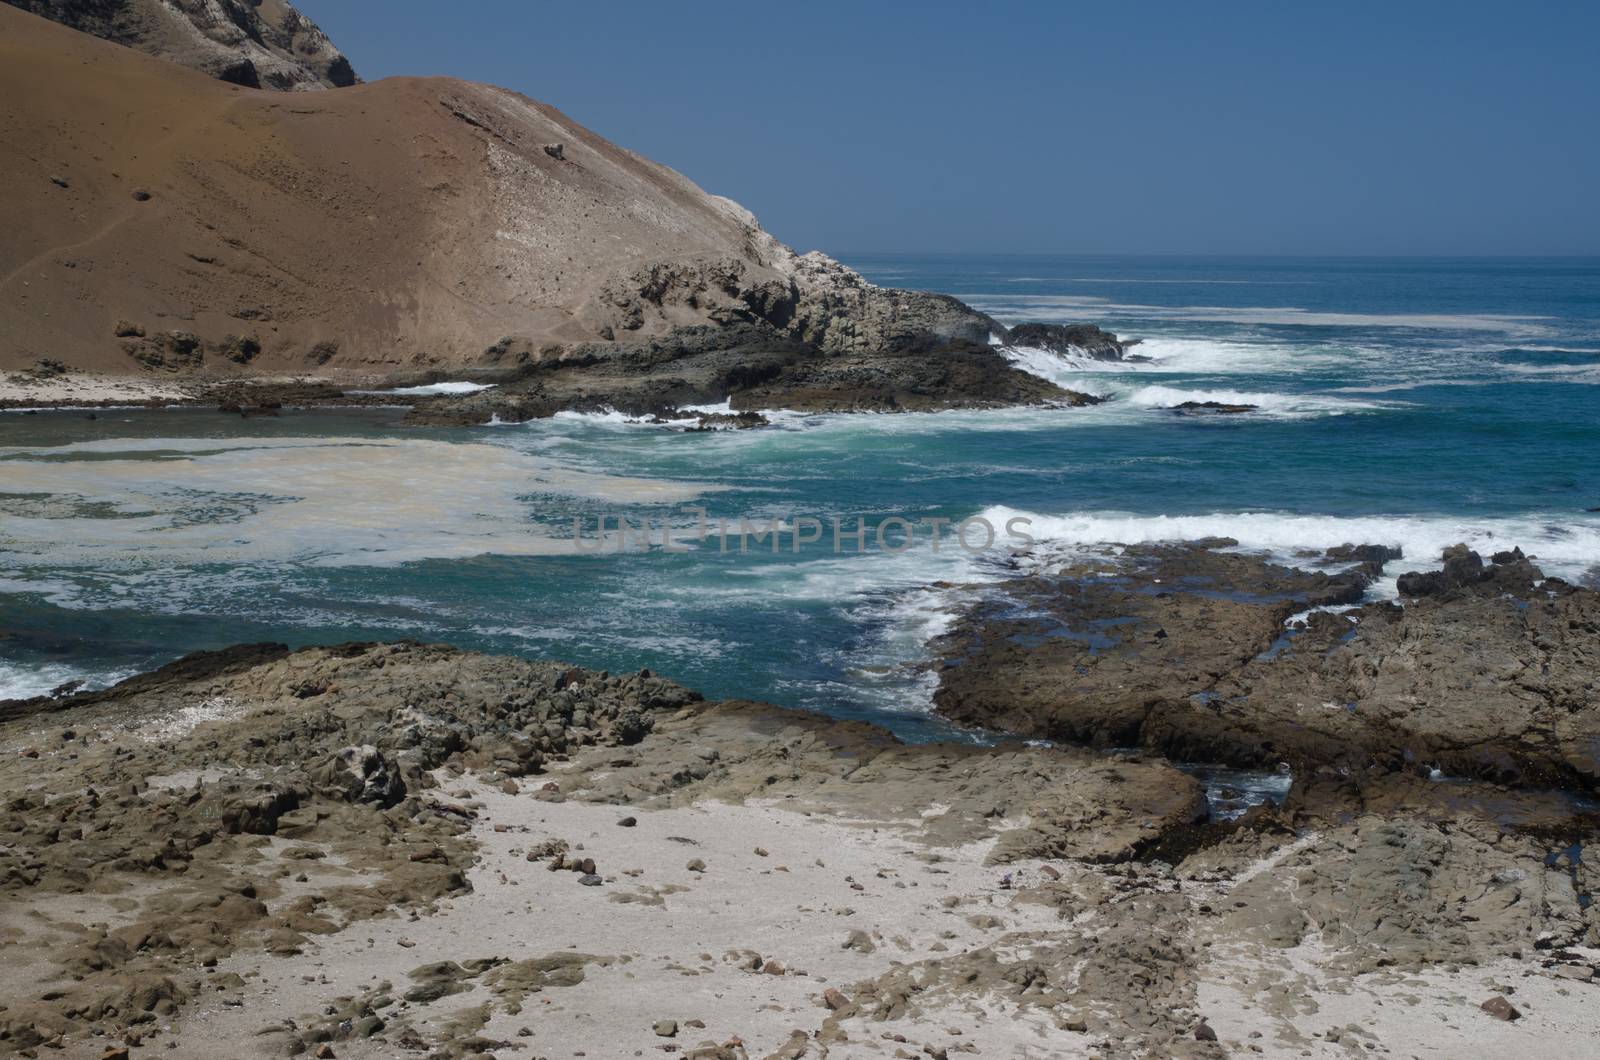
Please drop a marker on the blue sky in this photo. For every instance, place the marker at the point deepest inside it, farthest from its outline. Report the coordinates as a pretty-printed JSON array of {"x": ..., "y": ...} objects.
[{"x": 1064, "y": 127}]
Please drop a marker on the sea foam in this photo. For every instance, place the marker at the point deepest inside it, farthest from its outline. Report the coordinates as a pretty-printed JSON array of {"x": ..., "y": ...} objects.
[{"x": 1562, "y": 545}]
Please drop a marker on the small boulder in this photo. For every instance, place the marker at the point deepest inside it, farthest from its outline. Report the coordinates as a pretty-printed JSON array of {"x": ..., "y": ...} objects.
[
  {"x": 1501, "y": 1009},
  {"x": 557, "y": 151},
  {"x": 666, "y": 1028}
]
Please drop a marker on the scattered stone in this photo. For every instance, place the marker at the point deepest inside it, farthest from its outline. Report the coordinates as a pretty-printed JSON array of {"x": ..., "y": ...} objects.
[
  {"x": 666, "y": 1028},
  {"x": 696, "y": 865},
  {"x": 1204, "y": 1033},
  {"x": 1501, "y": 1009},
  {"x": 627, "y": 822},
  {"x": 557, "y": 151},
  {"x": 834, "y": 999}
]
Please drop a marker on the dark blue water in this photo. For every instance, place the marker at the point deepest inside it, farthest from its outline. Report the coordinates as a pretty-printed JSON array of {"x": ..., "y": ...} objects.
[{"x": 1415, "y": 403}]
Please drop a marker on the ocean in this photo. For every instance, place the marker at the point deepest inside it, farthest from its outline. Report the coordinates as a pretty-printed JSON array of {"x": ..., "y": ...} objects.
[{"x": 1408, "y": 402}]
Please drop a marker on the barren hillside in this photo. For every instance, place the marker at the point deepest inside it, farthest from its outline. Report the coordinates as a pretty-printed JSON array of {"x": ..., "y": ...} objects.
[{"x": 160, "y": 220}]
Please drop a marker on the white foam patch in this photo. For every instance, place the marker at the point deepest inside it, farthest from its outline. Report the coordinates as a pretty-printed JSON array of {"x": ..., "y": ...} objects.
[
  {"x": 432, "y": 389},
  {"x": 1557, "y": 373},
  {"x": 26, "y": 680},
  {"x": 1292, "y": 316},
  {"x": 1267, "y": 404},
  {"x": 1190, "y": 356},
  {"x": 1562, "y": 544},
  {"x": 186, "y": 501}
]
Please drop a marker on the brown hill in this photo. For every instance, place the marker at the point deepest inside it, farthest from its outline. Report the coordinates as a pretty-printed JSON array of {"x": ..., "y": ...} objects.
[
  {"x": 159, "y": 219},
  {"x": 258, "y": 43}
]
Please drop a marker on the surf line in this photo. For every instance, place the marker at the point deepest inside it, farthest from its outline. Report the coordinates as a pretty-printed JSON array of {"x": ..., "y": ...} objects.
[{"x": 894, "y": 534}]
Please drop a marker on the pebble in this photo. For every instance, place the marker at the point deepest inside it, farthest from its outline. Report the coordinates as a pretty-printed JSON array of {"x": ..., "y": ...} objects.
[{"x": 666, "y": 1028}]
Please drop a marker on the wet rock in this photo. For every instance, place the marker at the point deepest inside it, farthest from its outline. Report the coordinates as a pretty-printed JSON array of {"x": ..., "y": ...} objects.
[
  {"x": 1186, "y": 650},
  {"x": 1071, "y": 340},
  {"x": 1209, "y": 408}
]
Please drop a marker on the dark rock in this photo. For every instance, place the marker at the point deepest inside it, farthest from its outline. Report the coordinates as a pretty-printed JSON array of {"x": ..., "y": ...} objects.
[
  {"x": 1209, "y": 408},
  {"x": 140, "y": 195},
  {"x": 1501, "y": 1009},
  {"x": 1070, "y": 340},
  {"x": 556, "y": 151},
  {"x": 240, "y": 349},
  {"x": 1464, "y": 572}
]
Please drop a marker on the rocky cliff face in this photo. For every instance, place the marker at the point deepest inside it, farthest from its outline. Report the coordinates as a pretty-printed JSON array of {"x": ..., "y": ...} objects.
[{"x": 256, "y": 43}]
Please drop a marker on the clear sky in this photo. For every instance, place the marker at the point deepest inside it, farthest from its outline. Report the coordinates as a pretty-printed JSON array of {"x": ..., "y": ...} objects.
[{"x": 1345, "y": 127}]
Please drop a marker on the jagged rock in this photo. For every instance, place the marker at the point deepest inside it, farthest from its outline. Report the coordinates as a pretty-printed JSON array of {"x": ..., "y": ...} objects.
[
  {"x": 1071, "y": 340},
  {"x": 252, "y": 44}
]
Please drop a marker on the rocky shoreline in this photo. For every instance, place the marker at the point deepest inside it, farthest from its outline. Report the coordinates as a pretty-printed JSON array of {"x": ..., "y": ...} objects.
[
  {"x": 751, "y": 367},
  {"x": 396, "y": 849},
  {"x": 1486, "y": 670}
]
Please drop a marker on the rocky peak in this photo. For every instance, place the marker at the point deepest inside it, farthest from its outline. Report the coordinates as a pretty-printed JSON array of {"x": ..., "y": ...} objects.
[{"x": 256, "y": 43}]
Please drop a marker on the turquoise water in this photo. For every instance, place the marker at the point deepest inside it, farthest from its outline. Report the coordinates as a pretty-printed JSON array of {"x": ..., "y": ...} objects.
[{"x": 1405, "y": 402}]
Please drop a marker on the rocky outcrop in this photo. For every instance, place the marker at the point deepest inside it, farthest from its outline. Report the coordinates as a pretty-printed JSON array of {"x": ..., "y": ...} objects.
[
  {"x": 1072, "y": 340},
  {"x": 1491, "y": 672},
  {"x": 255, "y": 43},
  {"x": 1209, "y": 408}
]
